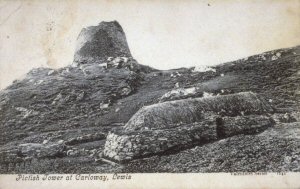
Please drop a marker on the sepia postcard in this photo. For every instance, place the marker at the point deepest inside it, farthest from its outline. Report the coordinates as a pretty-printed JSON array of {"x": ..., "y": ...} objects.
[{"x": 149, "y": 94}]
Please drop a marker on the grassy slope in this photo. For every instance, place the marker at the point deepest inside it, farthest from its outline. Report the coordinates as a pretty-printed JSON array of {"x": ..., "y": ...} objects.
[{"x": 74, "y": 116}]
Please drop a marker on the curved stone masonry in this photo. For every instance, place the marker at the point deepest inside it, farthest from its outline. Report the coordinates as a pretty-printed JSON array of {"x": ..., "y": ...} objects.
[
  {"x": 171, "y": 126},
  {"x": 96, "y": 43}
]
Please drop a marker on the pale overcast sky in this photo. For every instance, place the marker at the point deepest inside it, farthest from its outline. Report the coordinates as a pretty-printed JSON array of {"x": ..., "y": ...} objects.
[{"x": 162, "y": 34}]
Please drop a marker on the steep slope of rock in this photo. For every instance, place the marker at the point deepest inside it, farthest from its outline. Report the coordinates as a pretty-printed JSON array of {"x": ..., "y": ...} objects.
[{"x": 53, "y": 120}]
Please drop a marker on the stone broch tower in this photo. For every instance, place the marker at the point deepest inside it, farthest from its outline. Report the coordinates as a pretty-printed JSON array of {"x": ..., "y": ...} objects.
[{"x": 96, "y": 43}]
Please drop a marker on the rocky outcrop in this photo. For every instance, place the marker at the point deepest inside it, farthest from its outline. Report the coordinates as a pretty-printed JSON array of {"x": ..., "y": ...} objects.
[{"x": 95, "y": 44}]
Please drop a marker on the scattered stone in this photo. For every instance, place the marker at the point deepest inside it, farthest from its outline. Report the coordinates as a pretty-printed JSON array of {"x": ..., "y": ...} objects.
[
  {"x": 278, "y": 54},
  {"x": 205, "y": 94},
  {"x": 80, "y": 96},
  {"x": 26, "y": 113},
  {"x": 74, "y": 64},
  {"x": 58, "y": 98},
  {"x": 116, "y": 61},
  {"x": 51, "y": 72},
  {"x": 203, "y": 69},
  {"x": 104, "y": 106},
  {"x": 126, "y": 91},
  {"x": 72, "y": 152},
  {"x": 179, "y": 93},
  {"x": 21, "y": 109},
  {"x": 45, "y": 141},
  {"x": 60, "y": 141},
  {"x": 65, "y": 71},
  {"x": 103, "y": 65},
  {"x": 283, "y": 118},
  {"x": 125, "y": 59},
  {"x": 274, "y": 57},
  {"x": 176, "y": 74}
]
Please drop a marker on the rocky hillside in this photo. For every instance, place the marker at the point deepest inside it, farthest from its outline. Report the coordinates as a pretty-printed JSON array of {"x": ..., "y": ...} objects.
[{"x": 108, "y": 113}]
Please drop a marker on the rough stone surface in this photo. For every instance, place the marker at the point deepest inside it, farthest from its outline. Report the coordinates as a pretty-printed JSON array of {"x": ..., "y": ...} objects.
[
  {"x": 127, "y": 145},
  {"x": 181, "y": 93},
  {"x": 230, "y": 126},
  {"x": 86, "y": 138},
  {"x": 163, "y": 115},
  {"x": 275, "y": 149},
  {"x": 95, "y": 44}
]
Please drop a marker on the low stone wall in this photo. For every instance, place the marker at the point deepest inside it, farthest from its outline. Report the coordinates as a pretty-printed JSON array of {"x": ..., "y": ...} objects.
[
  {"x": 129, "y": 145},
  {"x": 125, "y": 145},
  {"x": 230, "y": 126}
]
